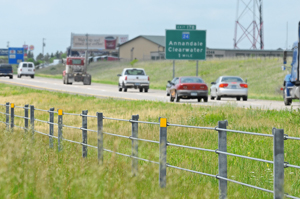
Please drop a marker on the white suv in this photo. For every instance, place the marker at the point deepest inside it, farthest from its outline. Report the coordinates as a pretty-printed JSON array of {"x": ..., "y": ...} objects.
[{"x": 26, "y": 69}]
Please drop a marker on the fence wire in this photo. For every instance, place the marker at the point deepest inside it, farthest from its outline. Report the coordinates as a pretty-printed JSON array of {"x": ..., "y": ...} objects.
[{"x": 157, "y": 142}]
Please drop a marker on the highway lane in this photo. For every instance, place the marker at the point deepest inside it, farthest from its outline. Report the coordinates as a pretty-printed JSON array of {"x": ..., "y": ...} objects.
[{"x": 105, "y": 91}]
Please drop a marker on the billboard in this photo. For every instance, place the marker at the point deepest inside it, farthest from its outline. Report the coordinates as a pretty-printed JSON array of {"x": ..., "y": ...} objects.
[
  {"x": 3, "y": 52},
  {"x": 96, "y": 42},
  {"x": 15, "y": 55}
]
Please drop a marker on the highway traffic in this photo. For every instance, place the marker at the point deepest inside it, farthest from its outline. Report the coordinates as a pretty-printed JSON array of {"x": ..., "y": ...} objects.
[{"x": 106, "y": 91}]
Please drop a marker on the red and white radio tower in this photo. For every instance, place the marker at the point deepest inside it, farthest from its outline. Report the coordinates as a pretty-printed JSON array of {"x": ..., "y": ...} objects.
[{"x": 248, "y": 24}]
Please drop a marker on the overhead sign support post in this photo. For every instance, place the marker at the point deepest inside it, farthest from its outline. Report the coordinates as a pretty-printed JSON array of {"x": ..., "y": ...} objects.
[{"x": 185, "y": 43}]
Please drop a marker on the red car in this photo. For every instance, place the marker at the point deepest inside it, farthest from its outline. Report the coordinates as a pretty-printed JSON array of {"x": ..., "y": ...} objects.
[{"x": 188, "y": 88}]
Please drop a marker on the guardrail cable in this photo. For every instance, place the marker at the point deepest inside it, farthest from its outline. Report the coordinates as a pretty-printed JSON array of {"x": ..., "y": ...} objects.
[
  {"x": 190, "y": 147},
  {"x": 246, "y": 157},
  {"x": 244, "y": 132}
]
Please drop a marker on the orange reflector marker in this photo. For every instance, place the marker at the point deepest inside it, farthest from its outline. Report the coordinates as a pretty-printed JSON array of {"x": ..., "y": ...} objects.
[
  {"x": 60, "y": 112},
  {"x": 12, "y": 105},
  {"x": 163, "y": 122}
]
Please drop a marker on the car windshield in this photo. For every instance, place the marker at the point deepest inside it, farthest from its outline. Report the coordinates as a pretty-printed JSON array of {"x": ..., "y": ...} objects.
[
  {"x": 134, "y": 72},
  {"x": 191, "y": 80},
  {"x": 231, "y": 79}
]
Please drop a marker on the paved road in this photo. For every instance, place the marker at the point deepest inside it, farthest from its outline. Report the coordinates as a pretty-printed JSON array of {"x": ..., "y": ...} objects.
[{"x": 104, "y": 90}]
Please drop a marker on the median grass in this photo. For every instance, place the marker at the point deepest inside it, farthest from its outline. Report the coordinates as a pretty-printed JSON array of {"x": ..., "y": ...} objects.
[
  {"x": 264, "y": 75},
  {"x": 30, "y": 169}
]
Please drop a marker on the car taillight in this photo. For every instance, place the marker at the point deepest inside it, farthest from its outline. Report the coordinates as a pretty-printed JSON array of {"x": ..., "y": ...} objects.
[
  {"x": 203, "y": 87},
  {"x": 21, "y": 69},
  {"x": 180, "y": 87},
  {"x": 244, "y": 85},
  {"x": 33, "y": 70},
  {"x": 125, "y": 77},
  {"x": 148, "y": 78},
  {"x": 12, "y": 71},
  {"x": 223, "y": 85}
]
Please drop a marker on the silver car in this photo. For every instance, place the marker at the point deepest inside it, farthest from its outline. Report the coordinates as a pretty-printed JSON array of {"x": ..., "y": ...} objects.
[{"x": 229, "y": 86}]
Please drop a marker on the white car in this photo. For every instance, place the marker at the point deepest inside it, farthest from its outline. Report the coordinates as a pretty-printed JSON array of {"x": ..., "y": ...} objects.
[
  {"x": 26, "y": 69},
  {"x": 133, "y": 78}
]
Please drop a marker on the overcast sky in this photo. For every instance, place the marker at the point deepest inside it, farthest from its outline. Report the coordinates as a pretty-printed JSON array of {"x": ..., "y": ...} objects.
[{"x": 30, "y": 21}]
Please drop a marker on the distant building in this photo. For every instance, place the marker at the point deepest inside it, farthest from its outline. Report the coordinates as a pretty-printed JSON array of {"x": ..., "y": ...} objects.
[
  {"x": 141, "y": 47},
  {"x": 146, "y": 47}
]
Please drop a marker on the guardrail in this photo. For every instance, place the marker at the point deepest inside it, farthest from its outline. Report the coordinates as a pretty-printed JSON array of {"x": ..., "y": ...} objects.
[{"x": 277, "y": 135}]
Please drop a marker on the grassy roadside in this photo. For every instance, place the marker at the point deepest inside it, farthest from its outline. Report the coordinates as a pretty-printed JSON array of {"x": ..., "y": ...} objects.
[
  {"x": 264, "y": 75},
  {"x": 32, "y": 170}
]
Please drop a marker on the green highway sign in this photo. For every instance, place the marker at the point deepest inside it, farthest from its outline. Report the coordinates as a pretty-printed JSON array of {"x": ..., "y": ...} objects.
[
  {"x": 185, "y": 44},
  {"x": 186, "y": 27}
]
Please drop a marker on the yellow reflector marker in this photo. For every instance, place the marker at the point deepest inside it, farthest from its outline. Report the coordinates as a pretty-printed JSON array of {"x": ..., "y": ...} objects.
[
  {"x": 163, "y": 122},
  {"x": 12, "y": 105},
  {"x": 60, "y": 112}
]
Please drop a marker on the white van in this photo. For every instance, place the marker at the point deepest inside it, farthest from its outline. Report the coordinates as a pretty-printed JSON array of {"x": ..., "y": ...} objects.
[{"x": 26, "y": 69}]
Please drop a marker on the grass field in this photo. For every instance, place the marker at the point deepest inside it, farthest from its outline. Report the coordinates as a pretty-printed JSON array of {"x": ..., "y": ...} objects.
[
  {"x": 29, "y": 169},
  {"x": 264, "y": 75}
]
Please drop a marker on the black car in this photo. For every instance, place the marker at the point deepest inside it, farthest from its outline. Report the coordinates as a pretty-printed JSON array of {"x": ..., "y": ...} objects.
[{"x": 6, "y": 70}]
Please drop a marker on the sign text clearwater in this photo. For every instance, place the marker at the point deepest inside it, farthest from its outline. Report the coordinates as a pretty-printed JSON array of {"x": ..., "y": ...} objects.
[{"x": 186, "y": 44}]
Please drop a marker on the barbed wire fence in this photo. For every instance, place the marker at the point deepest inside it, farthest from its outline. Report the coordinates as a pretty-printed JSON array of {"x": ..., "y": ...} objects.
[{"x": 277, "y": 134}]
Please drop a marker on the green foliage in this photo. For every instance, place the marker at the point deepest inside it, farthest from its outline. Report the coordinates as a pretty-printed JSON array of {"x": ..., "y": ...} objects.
[
  {"x": 133, "y": 62},
  {"x": 33, "y": 170}
]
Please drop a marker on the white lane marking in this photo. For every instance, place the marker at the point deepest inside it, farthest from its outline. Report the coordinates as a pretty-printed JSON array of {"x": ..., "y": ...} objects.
[{"x": 89, "y": 88}]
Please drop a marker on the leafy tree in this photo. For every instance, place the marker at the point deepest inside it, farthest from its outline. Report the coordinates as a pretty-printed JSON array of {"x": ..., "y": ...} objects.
[
  {"x": 51, "y": 55},
  {"x": 57, "y": 55},
  {"x": 40, "y": 57}
]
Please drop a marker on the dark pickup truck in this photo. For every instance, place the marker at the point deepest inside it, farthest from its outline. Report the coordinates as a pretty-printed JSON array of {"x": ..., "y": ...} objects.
[{"x": 6, "y": 70}]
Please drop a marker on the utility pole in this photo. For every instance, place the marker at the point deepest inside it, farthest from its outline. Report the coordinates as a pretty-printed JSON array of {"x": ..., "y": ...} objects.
[
  {"x": 8, "y": 44},
  {"x": 86, "y": 52},
  {"x": 43, "y": 47}
]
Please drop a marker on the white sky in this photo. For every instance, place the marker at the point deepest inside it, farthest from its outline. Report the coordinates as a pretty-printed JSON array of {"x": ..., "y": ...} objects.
[{"x": 31, "y": 20}]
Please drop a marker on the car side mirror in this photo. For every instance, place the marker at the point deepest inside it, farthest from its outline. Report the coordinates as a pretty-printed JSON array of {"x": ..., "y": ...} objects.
[
  {"x": 213, "y": 83},
  {"x": 169, "y": 82},
  {"x": 119, "y": 75}
]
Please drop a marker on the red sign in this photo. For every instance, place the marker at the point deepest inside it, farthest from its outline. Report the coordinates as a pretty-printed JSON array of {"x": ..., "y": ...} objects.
[{"x": 31, "y": 47}]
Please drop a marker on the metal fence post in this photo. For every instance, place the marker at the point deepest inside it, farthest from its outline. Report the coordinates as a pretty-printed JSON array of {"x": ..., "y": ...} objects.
[
  {"x": 163, "y": 152},
  {"x": 84, "y": 133},
  {"x": 278, "y": 166},
  {"x": 134, "y": 145},
  {"x": 7, "y": 115},
  {"x": 100, "y": 137},
  {"x": 51, "y": 120},
  {"x": 12, "y": 116},
  {"x": 32, "y": 120},
  {"x": 60, "y": 125},
  {"x": 26, "y": 117},
  {"x": 222, "y": 144}
]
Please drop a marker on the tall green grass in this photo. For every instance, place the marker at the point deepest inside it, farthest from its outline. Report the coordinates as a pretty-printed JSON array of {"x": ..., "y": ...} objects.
[
  {"x": 264, "y": 75},
  {"x": 29, "y": 169}
]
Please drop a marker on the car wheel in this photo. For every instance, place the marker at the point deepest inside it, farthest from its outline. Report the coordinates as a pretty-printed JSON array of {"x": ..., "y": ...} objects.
[
  {"x": 238, "y": 98},
  {"x": 20, "y": 76},
  {"x": 32, "y": 76},
  {"x": 141, "y": 90},
  {"x": 11, "y": 77},
  {"x": 146, "y": 90},
  {"x": 205, "y": 99},
  {"x": 218, "y": 98},
  {"x": 199, "y": 99},
  {"x": 286, "y": 101},
  {"x": 120, "y": 89},
  {"x": 212, "y": 97},
  {"x": 245, "y": 98},
  {"x": 177, "y": 99},
  {"x": 167, "y": 94}
]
